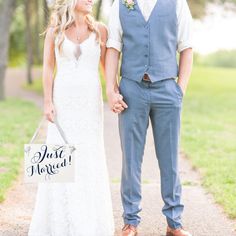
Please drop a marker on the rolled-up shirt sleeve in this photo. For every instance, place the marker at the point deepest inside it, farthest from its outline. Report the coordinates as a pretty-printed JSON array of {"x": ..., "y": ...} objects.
[
  {"x": 114, "y": 28},
  {"x": 185, "y": 26}
]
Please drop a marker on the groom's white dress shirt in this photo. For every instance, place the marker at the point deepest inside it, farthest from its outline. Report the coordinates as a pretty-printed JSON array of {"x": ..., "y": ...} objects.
[{"x": 184, "y": 18}]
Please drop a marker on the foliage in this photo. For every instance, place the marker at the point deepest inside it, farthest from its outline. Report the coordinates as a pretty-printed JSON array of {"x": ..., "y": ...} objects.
[
  {"x": 198, "y": 7},
  {"x": 17, "y": 38},
  {"x": 222, "y": 58},
  {"x": 17, "y": 52}
]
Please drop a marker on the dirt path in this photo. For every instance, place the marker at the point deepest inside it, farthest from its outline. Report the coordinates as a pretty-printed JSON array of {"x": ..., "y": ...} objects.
[
  {"x": 201, "y": 215},
  {"x": 15, "y": 77}
]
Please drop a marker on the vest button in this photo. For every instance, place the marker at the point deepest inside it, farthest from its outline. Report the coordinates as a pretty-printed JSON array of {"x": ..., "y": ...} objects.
[{"x": 145, "y": 55}]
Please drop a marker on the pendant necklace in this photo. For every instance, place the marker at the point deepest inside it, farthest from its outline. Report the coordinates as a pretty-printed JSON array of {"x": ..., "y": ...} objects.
[{"x": 77, "y": 51}]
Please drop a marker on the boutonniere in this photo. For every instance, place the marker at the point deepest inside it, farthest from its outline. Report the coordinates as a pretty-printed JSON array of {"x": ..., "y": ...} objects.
[{"x": 129, "y": 4}]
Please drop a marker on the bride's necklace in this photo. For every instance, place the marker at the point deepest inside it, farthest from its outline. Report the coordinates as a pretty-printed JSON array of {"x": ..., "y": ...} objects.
[{"x": 77, "y": 51}]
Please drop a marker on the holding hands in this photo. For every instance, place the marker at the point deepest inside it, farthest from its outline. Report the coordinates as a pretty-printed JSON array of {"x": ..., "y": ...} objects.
[
  {"x": 115, "y": 99},
  {"x": 116, "y": 102}
]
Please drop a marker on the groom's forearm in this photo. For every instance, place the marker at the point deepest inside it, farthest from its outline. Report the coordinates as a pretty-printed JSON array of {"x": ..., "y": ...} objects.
[
  {"x": 185, "y": 67},
  {"x": 111, "y": 65}
]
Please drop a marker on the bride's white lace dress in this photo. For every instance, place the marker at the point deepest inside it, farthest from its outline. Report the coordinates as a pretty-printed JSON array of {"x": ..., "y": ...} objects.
[{"x": 83, "y": 208}]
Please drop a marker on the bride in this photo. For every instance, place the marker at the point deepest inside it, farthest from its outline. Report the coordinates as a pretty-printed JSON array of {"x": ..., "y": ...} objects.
[{"x": 75, "y": 46}]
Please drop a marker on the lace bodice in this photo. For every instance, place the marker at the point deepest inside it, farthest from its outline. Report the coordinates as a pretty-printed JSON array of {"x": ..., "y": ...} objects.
[{"x": 88, "y": 60}]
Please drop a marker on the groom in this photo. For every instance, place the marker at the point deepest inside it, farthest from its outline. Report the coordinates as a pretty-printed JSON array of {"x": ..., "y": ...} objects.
[{"x": 149, "y": 33}]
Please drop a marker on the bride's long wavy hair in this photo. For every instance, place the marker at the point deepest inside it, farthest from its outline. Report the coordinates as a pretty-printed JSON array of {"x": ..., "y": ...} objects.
[{"x": 63, "y": 16}]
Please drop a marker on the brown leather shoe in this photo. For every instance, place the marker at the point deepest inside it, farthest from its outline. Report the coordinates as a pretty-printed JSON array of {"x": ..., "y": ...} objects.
[
  {"x": 129, "y": 230},
  {"x": 177, "y": 232}
]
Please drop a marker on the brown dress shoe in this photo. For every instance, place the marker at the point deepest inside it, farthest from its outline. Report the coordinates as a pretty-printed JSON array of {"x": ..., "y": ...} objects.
[
  {"x": 129, "y": 230},
  {"x": 177, "y": 232}
]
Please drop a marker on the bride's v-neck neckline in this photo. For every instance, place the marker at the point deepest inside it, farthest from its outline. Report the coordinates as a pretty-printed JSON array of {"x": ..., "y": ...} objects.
[
  {"x": 140, "y": 12},
  {"x": 85, "y": 40}
]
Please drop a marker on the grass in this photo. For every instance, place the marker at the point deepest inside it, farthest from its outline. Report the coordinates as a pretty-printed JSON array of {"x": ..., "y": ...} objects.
[
  {"x": 209, "y": 131},
  {"x": 36, "y": 86},
  {"x": 18, "y": 122}
]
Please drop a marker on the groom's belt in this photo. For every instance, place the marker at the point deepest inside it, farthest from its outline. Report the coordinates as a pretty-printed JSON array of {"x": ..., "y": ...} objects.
[{"x": 146, "y": 77}]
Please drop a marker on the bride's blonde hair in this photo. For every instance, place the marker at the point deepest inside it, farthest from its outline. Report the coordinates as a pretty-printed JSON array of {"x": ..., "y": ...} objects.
[{"x": 63, "y": 16}]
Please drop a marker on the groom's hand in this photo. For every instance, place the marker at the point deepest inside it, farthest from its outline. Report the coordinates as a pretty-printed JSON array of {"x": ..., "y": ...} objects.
[{"x": 115, "y": 101}]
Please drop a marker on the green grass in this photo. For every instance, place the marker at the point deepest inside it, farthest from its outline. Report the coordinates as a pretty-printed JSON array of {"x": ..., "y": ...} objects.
[
  {"x": 17, "y": 60},
  {"x": 36, "y": 86},
  {"x": 209, "y": 131},
  {"x": 18, "y": 122}
]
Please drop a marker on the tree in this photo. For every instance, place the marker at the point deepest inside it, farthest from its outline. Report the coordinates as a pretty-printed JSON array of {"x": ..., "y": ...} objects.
[
  {"x": 6, "y": 12},
  {"x": 36, "y": 32},
  {"x": 28, "y": 10},
  {"x": 46, "y": 12},
  {"x": 198, "y": 7}
]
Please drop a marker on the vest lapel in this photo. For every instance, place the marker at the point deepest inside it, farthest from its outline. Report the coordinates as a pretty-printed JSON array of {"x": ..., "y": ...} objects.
[{"x": 140, "y": 12}]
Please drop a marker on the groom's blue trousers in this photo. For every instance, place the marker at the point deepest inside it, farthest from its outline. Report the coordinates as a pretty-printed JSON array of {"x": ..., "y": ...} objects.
[{"x": 161, "y": 101}]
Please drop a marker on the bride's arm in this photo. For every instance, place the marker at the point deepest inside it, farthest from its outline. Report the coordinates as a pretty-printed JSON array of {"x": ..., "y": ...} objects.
[
  {"x": 48, "y": 71},
  {"x": 103, "y": 31}
]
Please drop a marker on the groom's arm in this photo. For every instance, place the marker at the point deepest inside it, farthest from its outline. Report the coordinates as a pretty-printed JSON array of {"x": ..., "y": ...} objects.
[
  {"x": 114, "y": 46},
  {"x": 112, "y": 62},
  {"x": 115, "y": 100},
  {"x": 185, "y": 43},
  {"x": 185, "y": 68}
]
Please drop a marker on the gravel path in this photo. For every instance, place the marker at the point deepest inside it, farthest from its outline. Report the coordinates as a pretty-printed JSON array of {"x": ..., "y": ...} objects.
[{"x": 201, "y": 216}]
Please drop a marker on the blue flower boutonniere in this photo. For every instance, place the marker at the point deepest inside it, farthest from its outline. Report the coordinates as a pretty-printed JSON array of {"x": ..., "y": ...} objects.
[{"x": 129, "y": 4}]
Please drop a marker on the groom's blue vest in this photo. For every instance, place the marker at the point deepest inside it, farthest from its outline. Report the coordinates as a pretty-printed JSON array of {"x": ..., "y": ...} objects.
[{"x": 149, "y": 47}]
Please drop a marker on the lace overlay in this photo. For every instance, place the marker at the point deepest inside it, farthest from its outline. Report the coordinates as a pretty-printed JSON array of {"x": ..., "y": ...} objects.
[{"x": 83, "y": 208}]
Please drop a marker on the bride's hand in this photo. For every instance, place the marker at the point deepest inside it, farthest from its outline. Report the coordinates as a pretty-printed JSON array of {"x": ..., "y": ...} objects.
[
  {"x": 115, "y": 101},
  {"x": 49, "y": 111}
]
